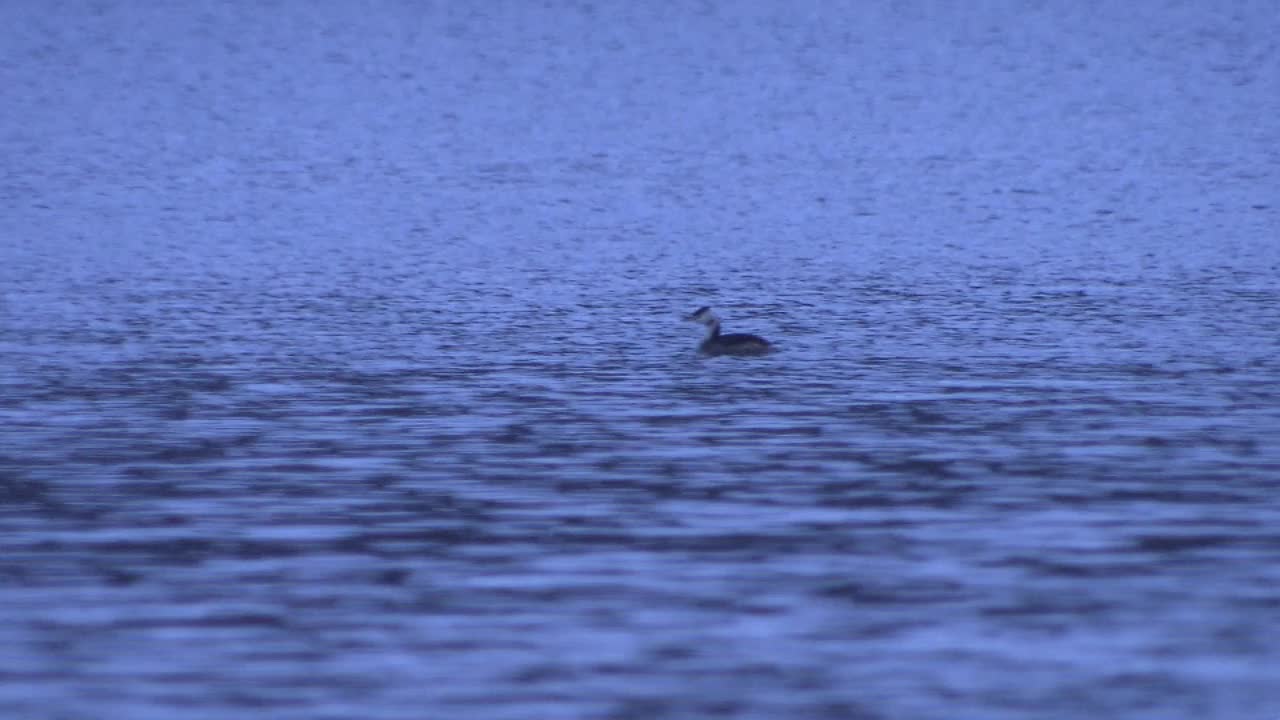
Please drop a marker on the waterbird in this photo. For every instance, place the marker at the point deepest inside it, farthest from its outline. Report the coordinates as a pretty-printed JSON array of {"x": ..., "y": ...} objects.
[{"x": 741, "y": 344}]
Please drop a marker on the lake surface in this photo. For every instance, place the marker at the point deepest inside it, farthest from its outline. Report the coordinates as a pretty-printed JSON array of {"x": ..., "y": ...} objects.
[{"x": 342, "y": 372}]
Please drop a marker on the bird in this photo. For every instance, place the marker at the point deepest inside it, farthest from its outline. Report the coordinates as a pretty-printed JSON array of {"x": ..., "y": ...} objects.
[{"x": 741, "y": 344}]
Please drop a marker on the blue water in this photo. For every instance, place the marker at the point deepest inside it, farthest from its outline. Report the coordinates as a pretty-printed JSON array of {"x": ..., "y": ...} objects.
[{"x": 342, "y": 372}]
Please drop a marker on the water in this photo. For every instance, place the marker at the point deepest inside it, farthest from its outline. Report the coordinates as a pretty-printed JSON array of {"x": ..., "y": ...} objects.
[{"x": 341, "y": 372}]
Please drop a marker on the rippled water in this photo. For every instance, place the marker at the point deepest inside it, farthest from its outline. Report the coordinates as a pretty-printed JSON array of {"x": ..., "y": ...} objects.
[{"x": 341, "y": 369}]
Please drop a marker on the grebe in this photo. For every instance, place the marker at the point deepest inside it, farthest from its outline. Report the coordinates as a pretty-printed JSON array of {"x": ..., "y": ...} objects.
[{"x": 733, "y": 344}]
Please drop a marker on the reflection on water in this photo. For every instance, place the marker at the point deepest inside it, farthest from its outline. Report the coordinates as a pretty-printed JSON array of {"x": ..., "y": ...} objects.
[{"x": 329, "y": 434}]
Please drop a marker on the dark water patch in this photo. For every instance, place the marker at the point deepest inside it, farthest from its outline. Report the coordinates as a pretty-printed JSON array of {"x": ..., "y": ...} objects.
[
  {"x": 1081, "y": 568},
  {"x": 896, "y": 595},
  {"x": 1189, "y": 543}
]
